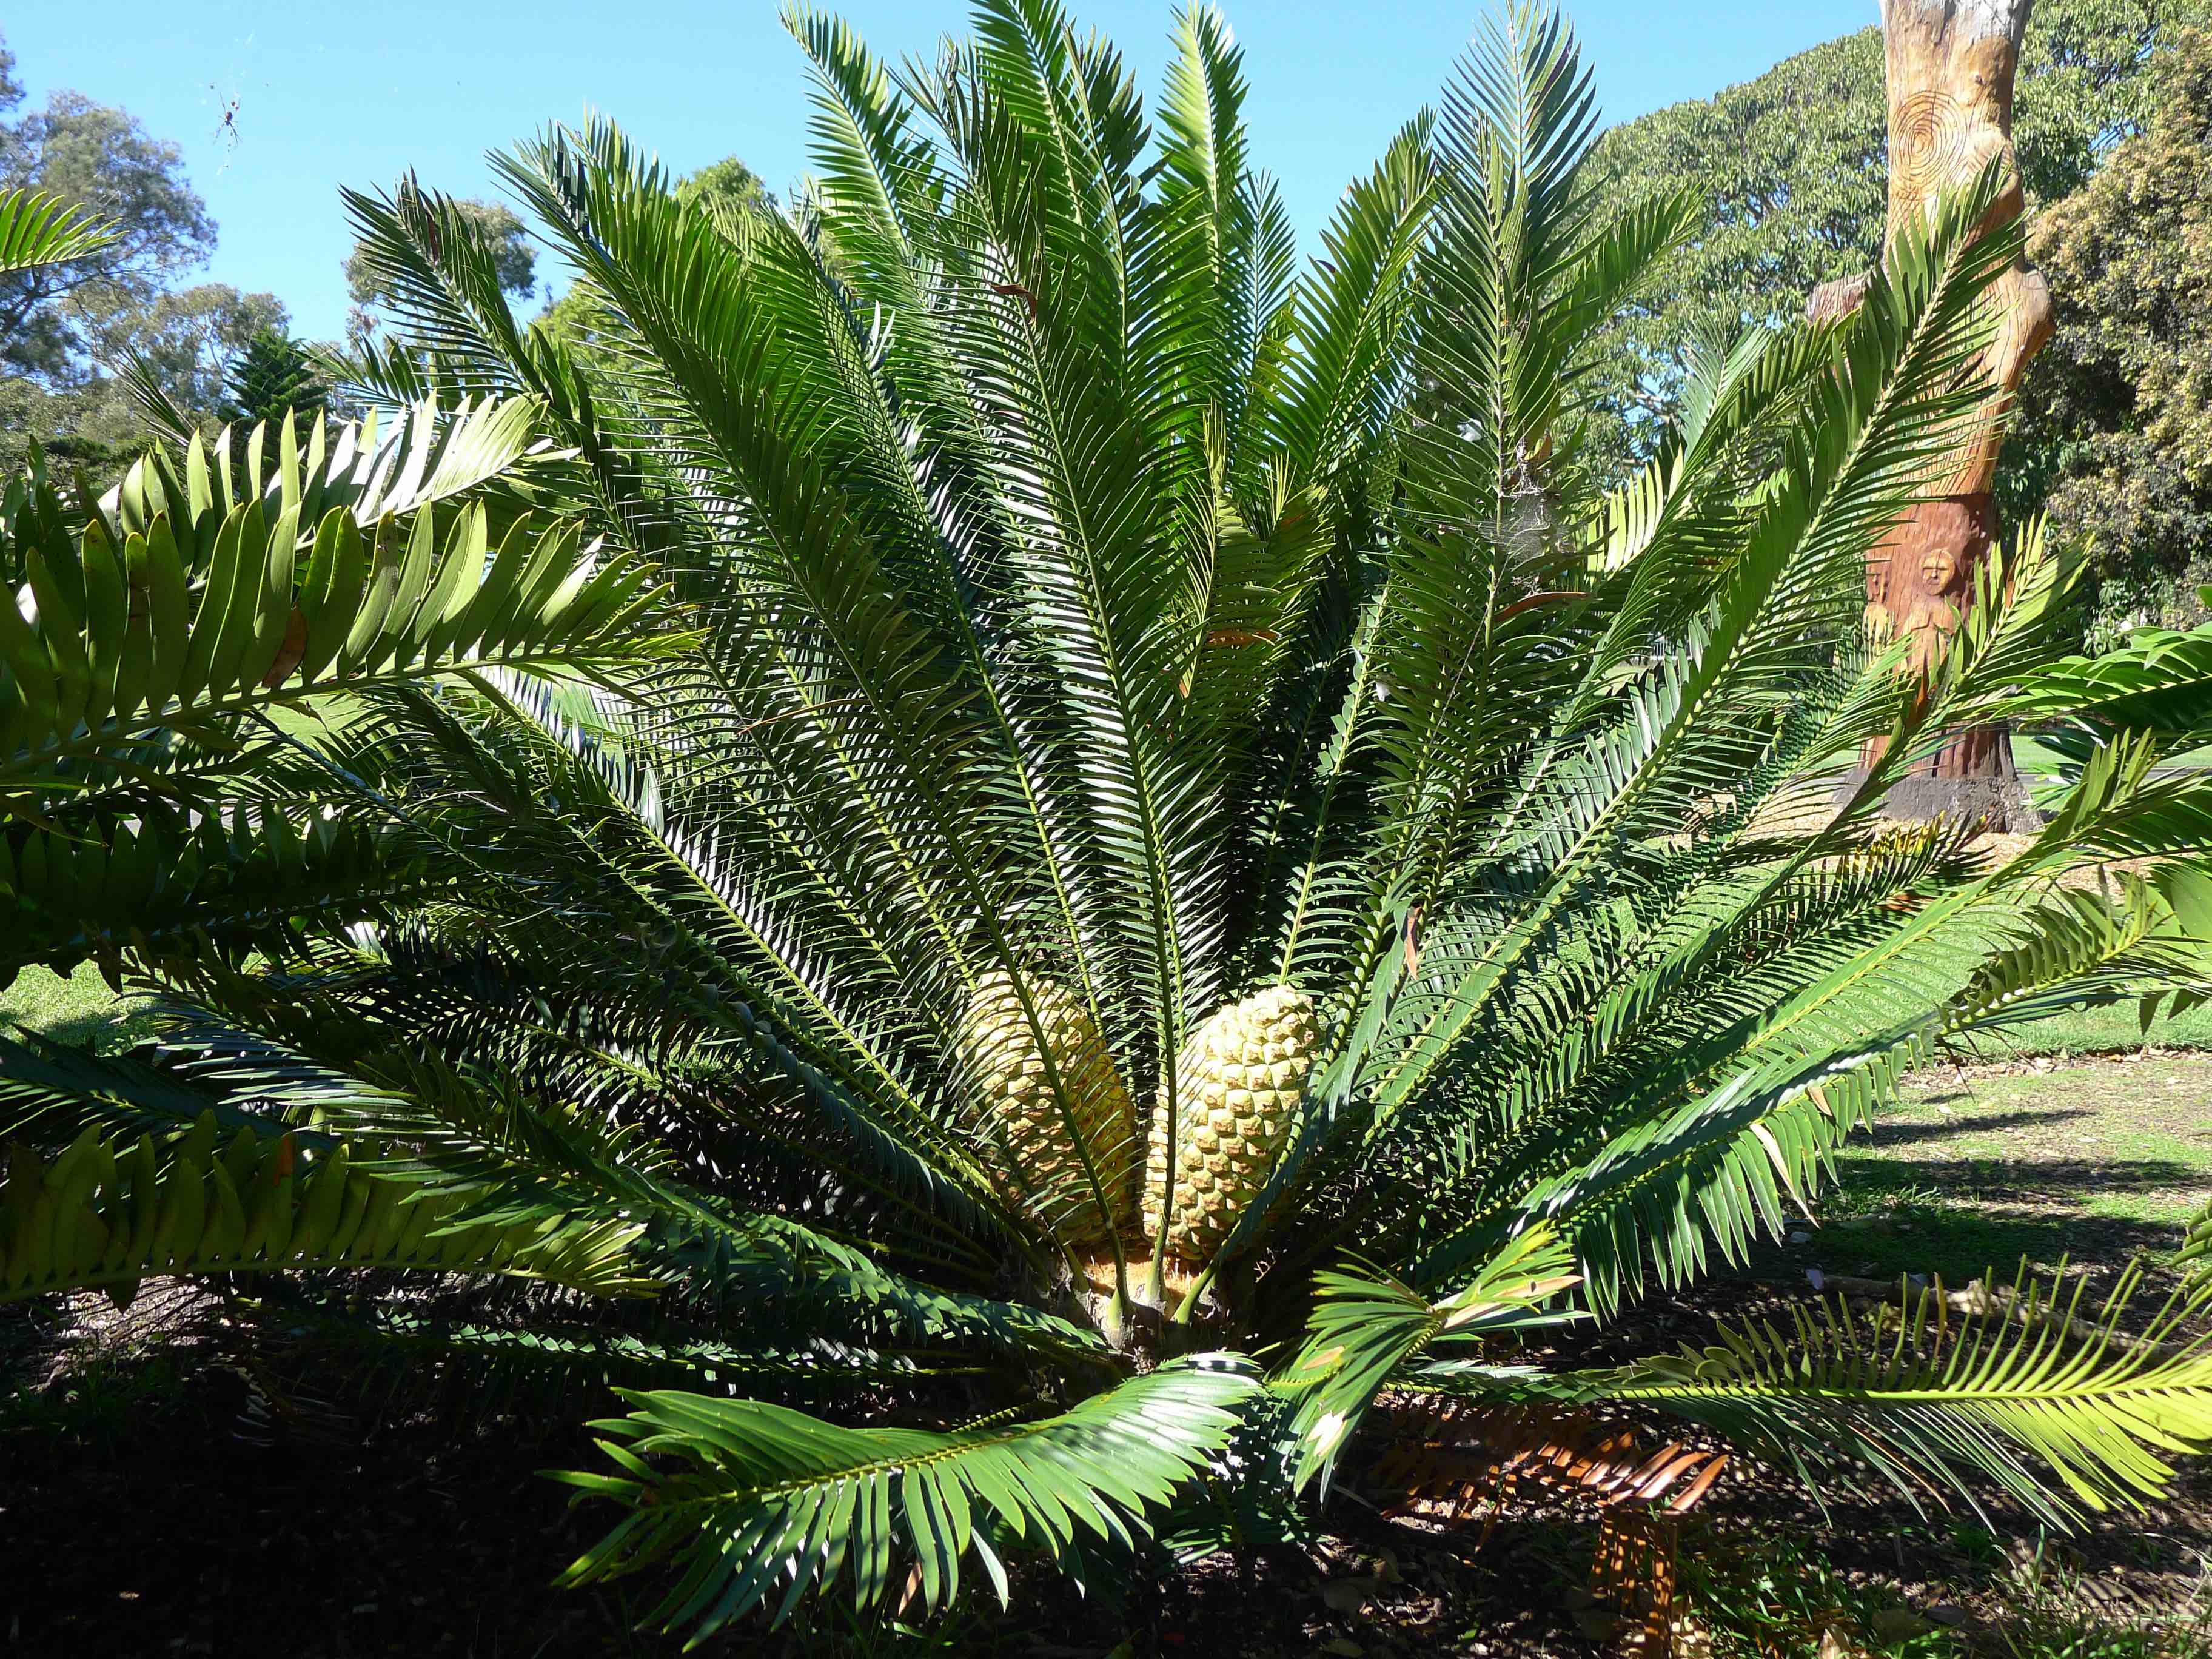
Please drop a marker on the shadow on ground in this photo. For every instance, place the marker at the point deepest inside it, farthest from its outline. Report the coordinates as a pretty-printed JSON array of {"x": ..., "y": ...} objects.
[
  {"x": 2090, "y": 1169},
  {"x": 1913, "y": 1133}
]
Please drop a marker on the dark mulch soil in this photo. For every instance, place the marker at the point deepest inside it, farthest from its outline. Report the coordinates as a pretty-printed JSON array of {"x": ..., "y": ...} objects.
[
  {"x": 151, "y": 1503},
  {"x": 149, "y": 1506},
  {"x": 155, "y": 1498},
  {"x": 158, "y": 1510}
]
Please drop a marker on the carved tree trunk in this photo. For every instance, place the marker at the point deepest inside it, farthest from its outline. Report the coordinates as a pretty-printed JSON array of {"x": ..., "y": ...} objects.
[{"x": 1950, "y": 65}]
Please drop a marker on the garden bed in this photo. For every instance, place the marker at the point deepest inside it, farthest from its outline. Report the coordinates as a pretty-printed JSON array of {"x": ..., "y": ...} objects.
[{"x": 152, "y": 1502}]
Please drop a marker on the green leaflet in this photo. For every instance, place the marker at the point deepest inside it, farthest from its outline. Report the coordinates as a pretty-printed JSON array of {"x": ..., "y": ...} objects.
[
  {"x": 38, "y": 229},
  {"x": 144, "y": 624},
  {"x": 105, "y": 1214},
  {"x": 2030, "y": 1392},
  {"x": 237, "y": 877},
  {"x": 1365, "y": 1329},
  {"x": 763, "y": 1503}
]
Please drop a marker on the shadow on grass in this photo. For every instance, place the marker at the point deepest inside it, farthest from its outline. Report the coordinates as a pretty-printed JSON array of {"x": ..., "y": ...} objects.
[
  {"x": 102, "y": 1033},
  {"x": 2062, "y": 1183},
  {"x": 1966, "y": 1217},
  {"x": 1893, "y": 1133},
  {"x": 1962, "y": 1245}
]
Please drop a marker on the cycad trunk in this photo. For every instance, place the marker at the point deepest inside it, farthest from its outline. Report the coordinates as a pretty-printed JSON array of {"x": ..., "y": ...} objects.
[{"x": 1950, "y": 68}]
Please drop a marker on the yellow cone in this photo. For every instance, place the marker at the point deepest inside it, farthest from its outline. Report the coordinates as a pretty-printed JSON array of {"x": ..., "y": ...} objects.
[
  {"x": 1238, "y": 1081},
  {"x": 1020, "y": 1126}
]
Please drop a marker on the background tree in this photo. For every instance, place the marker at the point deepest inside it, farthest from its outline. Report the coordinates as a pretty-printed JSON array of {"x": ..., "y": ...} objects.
[
  {"x": 192, "y": 339},
  {"x": 187, "y": 342},
  {"x": 1792, "y": 166},
  {"x": 2118, "y": 419},
  {"x": 273, "y": 376},
  {"x": 66, "y": 326},
  {"x": 100, "y": 159},
  {"x": 728, "y": 180}
]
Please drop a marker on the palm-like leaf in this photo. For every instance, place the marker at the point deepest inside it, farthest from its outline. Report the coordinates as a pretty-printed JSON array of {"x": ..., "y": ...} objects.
[
  {"x": 1363, "y": 1331},
  {"x": 151, "y": 647},
  {"x": 106, "y": 1215},
  {"x": 2161, "y": 680},
  {"x": 2030, "y": 1387},
  {"x": 768, "y": 1504},
  {"x": 37, "y": 229}
]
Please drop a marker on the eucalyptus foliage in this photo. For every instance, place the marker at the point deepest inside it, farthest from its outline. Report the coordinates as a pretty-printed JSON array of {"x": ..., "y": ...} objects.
[{"x": 1791, "y": 168}]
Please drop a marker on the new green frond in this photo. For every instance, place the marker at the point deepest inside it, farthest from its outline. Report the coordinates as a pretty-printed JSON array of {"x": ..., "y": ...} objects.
[
  {"x": 1363, "y": 1329},
  {"x": 766, "y": 1505}
]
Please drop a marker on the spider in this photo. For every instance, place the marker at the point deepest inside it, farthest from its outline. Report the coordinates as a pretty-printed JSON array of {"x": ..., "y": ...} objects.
[{"x": 227, "y": 128}]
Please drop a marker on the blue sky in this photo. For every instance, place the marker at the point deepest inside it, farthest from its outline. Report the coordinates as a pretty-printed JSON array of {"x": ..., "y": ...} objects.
[{"x": 328, "y": 93}]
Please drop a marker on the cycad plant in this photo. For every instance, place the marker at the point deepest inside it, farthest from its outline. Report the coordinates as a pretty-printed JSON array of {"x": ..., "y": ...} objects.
[{"x": 1006, "y": 800}]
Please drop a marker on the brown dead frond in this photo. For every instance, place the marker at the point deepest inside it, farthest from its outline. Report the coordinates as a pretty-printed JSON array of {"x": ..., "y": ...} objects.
[{"x": 1447, "y": 1461}]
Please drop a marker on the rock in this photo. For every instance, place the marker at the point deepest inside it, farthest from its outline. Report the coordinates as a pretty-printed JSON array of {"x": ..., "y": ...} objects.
[
  {"x": 1350, "y": 1595},
  {"x": 1692, "y": 1640},
  {"x": 1799, "y": 1236},
  {"x": 1899, "y": 1625},
  {"x": 1597, "y": 1623},
  {"x": 1949, "y": 1614}
]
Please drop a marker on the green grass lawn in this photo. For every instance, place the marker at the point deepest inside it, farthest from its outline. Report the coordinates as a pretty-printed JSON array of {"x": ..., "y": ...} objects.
[
  {"x": 2081, "y": 1163},
  {"x": 2091, "y": 1162},
  {"x": 78, "y": 1010},
  {"x": 2029, "y": 756},
  {"x": 2115, "y": 1029}
]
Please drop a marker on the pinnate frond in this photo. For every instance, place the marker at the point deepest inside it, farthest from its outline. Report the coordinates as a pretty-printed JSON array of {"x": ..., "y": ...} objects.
[
  {"x": 37, "y": 229},
  {"x": 105, "y": 1214},
  {"x": 765, "y": 1505}
]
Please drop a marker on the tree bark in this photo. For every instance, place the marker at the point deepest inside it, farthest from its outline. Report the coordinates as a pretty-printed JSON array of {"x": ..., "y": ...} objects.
[{"x": 1950, "y": 72}]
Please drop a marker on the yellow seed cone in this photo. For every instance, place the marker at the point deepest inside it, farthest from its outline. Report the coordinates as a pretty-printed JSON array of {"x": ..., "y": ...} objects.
[
  {"x": 1023, "y": 1129},
  {"x": 1238, "y": 1081}
]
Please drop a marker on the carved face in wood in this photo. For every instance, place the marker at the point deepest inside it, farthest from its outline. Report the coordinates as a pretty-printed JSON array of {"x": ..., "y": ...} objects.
[{"x": 1918, "y": 578}]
